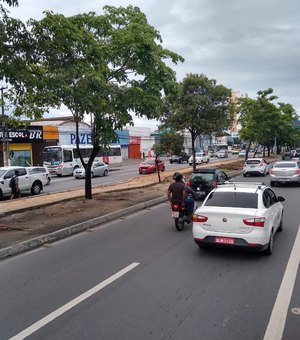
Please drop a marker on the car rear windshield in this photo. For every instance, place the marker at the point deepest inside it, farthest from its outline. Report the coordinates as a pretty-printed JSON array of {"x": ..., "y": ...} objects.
[
  {"x": 232, "y": 200},
  {"x": 253, "y": 161},
  {"x": 202, "y": 176},
  {"x": 285, "y": 165}
]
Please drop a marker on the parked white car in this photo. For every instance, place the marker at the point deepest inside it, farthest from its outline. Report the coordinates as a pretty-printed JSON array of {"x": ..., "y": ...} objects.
[
  {"x": 98, "y": 169},
  {"x": 28, "y": 182},
  {"x": 241, "y": 215},
  {"x": 200, "y": 158},
  {"x": 255, "y": 166}
]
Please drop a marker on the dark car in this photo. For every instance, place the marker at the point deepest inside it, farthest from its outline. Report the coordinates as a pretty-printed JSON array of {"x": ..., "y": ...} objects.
[
  {"x": 204, "y": 180},
  {"x": 183, "y": 157},
  {"x": 287, "y": 156}
]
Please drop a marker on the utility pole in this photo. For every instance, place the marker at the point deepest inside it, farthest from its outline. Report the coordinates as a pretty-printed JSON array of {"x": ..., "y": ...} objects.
[{"x": 4, "y": 130}]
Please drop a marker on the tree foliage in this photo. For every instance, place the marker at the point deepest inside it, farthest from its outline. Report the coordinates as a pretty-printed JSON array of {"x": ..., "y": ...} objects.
[
  {"x": 263, "y": 121},
  {"x": 103, "y": 66},
  {"x": 199, "y": 106}
]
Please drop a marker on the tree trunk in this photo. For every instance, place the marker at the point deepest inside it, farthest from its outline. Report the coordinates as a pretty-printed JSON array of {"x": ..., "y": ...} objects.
[
  {"x": 193, "y": 150},
  {"x": 88, "y": 182}
]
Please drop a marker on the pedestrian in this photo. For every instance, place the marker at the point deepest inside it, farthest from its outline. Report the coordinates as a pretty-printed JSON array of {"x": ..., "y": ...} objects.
[{"x": 14, "y": 185}]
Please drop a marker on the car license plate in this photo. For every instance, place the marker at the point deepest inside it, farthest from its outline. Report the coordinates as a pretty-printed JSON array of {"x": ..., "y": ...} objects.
[
  {"x": 175, "y": 214},
  {"x": 224, "y": 240}
]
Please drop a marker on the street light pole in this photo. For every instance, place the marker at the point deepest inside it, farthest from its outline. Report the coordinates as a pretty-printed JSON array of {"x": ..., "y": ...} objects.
[{"x": 5, "y": 130}]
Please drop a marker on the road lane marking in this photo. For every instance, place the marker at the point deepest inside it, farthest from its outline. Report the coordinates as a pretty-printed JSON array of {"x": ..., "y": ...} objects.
[
  {"x": 50, "y": 317},
  {"x": 279, "y": 313}
]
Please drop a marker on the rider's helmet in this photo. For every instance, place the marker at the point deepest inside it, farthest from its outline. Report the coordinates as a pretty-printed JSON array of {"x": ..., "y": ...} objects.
[{"x": 178, "y": 177}]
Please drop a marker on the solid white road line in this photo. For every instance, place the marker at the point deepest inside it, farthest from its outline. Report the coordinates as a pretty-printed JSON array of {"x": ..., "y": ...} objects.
[
  {"x": 41, "y": 323},
  {"x": 279, "y": 313}
]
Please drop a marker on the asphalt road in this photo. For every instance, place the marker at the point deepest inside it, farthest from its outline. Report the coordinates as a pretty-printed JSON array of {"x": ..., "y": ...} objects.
[
  {"x": 138, "y": 278},
  {"x": 120, "y": 173}
]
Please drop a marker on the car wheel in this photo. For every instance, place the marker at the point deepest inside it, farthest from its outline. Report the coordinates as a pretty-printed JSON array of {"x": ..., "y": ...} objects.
[
  {"x": 171, "y": 162},
  {"x": 269, "y": 250},
  {"x": 280, "y": 228},
  {"x": 105, "y": 173},
  {"x": 272, "y": 184},
  {"x": 244, "y": 174},
  {"x": 190, "y": 164},
  {"x": 36, "y": 188}
]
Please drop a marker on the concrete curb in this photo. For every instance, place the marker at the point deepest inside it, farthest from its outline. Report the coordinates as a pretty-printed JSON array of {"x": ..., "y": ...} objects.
[{"x": 74, "y": 229}]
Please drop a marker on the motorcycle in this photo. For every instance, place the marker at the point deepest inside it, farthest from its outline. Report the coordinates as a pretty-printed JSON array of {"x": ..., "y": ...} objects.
[{"x": 180, "y": 215}]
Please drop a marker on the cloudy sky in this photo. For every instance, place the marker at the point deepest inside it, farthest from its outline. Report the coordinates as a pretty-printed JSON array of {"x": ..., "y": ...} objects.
[{"x": 247, "y": 45}]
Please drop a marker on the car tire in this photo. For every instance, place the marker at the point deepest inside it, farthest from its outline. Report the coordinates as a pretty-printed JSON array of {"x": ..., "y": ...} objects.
[
  {"x": 269, "y": 250},
  {"x": 105, "y": 173},
  {"x": 171, "y": 162},
  {"x": 190, "y": 164},
  {"x": 272, "y": 184},
  {"x": 244, "y": 174},
  {"x": 36, "y": 188}
]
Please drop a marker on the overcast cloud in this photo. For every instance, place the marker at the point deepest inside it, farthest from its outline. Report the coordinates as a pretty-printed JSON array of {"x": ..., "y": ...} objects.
[{"x": 247, "y": 45}]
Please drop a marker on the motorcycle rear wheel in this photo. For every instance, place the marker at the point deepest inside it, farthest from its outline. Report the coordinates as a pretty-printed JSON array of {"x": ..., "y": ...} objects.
[{"x": 179, "y": 224}]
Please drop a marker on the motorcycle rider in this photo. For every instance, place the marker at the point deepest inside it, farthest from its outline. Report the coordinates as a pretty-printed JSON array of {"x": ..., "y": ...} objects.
[{"x": 180, "y": 193}]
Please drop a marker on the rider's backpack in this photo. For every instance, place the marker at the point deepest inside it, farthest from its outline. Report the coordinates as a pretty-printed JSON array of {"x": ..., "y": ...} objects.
[{"x": 12, "y": 183}]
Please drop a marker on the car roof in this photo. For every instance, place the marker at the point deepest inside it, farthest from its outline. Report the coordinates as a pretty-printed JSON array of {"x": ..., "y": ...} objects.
[
  {"x": 250, "y": 187},
  {"x": 12, "y": 167},
  {"x": 255, "y": 159},
  {"x": 286, "y": 162},
  {"x": 210, "y": 171}
]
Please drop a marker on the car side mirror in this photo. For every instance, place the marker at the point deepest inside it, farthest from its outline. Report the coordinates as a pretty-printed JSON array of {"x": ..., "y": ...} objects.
[{"x": 280, "y": 198}]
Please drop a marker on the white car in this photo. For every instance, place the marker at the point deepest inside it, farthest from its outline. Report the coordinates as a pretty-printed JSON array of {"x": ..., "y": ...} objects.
[
  {"x": 222, "y": 154},
  {"x": 200, "y": 158},
  {"x": 98, "y": 169},
  {"x": 241, "y": 215},
  {"x": 255, "y": 166}
]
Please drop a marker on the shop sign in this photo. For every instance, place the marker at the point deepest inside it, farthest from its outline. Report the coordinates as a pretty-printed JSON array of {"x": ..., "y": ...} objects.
[{"x": 28, "y": 135}]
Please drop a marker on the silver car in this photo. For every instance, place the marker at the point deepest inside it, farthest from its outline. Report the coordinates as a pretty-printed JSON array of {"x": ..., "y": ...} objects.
[
  {"x": 98, "y": 169},
  {"x": 284, "y": 172}
]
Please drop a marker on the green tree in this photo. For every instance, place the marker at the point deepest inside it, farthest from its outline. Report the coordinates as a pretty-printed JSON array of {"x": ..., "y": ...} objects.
[
  {"x": 102, "y": 66},
  {"x": 171, "y": 142},
  {"x": 199, "y": 106},
  {"x": 263, "y": 121}
]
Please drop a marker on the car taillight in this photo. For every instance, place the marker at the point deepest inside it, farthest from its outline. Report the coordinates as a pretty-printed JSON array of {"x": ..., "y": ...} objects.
[
  {"x": 261, "y": 164},
  {"x": 213, "y": 184},
  {"x": 297, "y": 172},
  {"x": 175, "y": 206},
  {"x": 255, "y": 222},
  {"x": 199, "y": 218},
  {"x": 271, "y": 171},
  {"x": 59, "y": 166}
]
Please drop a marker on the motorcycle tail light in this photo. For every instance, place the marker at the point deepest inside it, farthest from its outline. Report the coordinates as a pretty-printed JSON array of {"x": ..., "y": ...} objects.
[{"x": 188, "y": 183}]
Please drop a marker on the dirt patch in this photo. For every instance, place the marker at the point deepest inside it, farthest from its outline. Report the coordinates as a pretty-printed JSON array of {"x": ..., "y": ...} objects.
[{"x": 32, "y": 223}]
